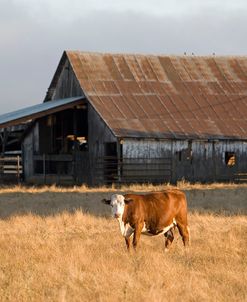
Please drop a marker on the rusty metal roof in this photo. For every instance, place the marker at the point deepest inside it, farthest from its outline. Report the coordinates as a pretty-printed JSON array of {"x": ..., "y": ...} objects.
[{"x": 166, "y": 96}]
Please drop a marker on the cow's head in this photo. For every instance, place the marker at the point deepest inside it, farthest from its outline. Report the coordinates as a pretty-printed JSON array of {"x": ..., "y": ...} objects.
[{"x": 117, "y": 202}]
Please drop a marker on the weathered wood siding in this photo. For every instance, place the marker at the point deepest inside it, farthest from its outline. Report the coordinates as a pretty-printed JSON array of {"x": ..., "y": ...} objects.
[
  {"x": 30, "y": 146},
  {"x": 98, "y": 135},
  {"x": 68, "y": 85},
  {"x": 191, "y": 160},
  {"x": 146, "y": 160}
]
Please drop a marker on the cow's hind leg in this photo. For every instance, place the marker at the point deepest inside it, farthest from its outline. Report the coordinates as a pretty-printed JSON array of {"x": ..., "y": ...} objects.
[
  {"x": 184, "y": 232},
  {"x": 127, "y": 241},
  {"x": 169, "y": 239},
  {"x": 137, "y": 234}
]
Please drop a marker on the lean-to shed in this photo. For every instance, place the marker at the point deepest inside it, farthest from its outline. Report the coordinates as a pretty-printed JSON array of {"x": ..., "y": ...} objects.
[{"x": 142, "y": 118}]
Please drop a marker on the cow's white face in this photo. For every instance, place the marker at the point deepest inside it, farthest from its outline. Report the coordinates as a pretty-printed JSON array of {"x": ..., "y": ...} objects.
[{"x": 117, "y": 204}]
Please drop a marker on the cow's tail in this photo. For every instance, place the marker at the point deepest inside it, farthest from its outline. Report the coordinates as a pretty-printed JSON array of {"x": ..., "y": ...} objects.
[{"x": 188, "y": 229}]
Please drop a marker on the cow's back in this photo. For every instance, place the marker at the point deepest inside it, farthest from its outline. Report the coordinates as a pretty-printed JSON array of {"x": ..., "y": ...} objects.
[{"x": 156, "y": 206}]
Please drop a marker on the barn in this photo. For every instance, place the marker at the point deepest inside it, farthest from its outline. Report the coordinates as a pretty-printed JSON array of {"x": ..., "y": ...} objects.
[{"x": 126, "y": 118}]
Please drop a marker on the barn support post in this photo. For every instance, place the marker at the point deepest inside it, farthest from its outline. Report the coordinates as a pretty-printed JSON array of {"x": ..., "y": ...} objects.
[
  {"x": 44, "y": 168},
  {"x": 18, "y": 169},
  {"x": 4, "y": 138},
  {"x": 173, "y": 164},
  {"x": 214, "y": 162},
  {"x": 119, "y": 160}
]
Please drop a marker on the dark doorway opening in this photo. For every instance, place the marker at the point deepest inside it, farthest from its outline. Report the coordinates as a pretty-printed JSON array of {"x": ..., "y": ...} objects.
[{"x": 110, "y": 163}]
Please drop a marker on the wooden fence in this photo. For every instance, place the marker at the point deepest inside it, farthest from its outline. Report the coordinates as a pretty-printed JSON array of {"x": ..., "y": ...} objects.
[
  {"x": 11, "y": 167},
  {"x": 240, "y": 177}
]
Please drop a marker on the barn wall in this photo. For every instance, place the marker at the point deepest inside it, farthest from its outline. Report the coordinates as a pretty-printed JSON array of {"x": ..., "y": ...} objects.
[
  {"x": 68, "y": 85},
  {"x": 98, "y": 135},
  {"x": 203, "y": 161},
  {"x": 206, "y": 161},
  {"x": 146, "y": 160},
  {"x": 146, "y": 148}
]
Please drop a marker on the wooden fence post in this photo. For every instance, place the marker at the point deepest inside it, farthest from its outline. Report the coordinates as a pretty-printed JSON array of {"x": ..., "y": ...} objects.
[{"x": 18, "y": 169}]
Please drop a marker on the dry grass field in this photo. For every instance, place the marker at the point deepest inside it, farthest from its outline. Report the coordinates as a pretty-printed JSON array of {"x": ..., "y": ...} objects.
[{"x": 61, "y": 245}]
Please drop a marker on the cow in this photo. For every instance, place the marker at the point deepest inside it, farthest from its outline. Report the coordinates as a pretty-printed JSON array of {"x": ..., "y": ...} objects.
[{"x": 151, "y": 214}]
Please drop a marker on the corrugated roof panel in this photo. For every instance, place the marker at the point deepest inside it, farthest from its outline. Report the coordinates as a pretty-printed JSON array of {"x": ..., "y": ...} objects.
[
  {"x": 193, "y": 106},
  {"x": 215, "y": 69},
  {"x": 149, "y": 107},
  {"x": 168, "y": 88},
  {"x": 128, "y": 87},
  {"x": 190, "y": 67},
  {"x": 237, "y": 69},
  {"x": 157, "y": 68},
  {"x": 158, "y": 106},
  {"x": 102, "y": 108},
  {"x": 134, "y": 68},
  {"x": 146, "y": 87},
  {"x": 123, "y": 67},
  {"x": 242, "y": 87},
  {"x": 78, "y": 66},
  {"x": 135, "y": 106},
  {"x": 99, "y": 70},
  {"x": 120, "y": 102},
  {"x": 186, "y": 127},
  {"x": 169, "y": 104},
  {"x": 87, "y": 86},
  {"x": 171, "y": 72},
  {"x": 231, "y": 109},
  {"x": 146, "y": 68},
  {"x": 203, "y": 70},
  {"x": 110, "y": 106},
  {"x": 225, "y": 69},
  {"x": 181, "y": 69},
  {"x": 112, "y": 67},
  {"x": 86, "y": 66},
  {"x": 183, "y": 107}
]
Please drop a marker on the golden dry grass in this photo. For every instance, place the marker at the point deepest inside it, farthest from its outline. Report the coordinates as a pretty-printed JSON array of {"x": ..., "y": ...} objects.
[{"x": 61, "y": 245}]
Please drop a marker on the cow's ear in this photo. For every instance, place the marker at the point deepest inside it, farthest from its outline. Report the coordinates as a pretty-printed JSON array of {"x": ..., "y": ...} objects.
[
  {"x": 106, "y": 201},
  {"x": 127, "y": 200}
]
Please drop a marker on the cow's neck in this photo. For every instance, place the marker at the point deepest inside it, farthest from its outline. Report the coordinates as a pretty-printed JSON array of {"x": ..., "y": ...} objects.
[{"x": 125, "y": 228}]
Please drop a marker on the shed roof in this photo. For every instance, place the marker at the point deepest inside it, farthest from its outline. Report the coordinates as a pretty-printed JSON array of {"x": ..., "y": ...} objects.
[
  {"x": 165, "y": 96},
  {"x": 36, "y": 111}
]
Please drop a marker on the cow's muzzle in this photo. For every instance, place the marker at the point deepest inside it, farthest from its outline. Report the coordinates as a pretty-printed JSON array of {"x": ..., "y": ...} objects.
[{"x": 117, "y": 215}]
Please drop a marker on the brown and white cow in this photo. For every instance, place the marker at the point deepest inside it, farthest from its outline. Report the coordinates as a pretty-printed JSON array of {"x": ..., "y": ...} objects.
[{"x": 151, "y": 214}]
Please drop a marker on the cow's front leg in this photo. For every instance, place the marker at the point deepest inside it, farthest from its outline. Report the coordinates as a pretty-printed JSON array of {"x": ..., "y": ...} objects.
[
  {"x": 137, "y": 233},
  {"x": 128, "y": 231}
]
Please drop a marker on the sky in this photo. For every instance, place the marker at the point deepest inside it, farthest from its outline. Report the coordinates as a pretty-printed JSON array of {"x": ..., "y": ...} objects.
[{"x": 34, "y": 34}]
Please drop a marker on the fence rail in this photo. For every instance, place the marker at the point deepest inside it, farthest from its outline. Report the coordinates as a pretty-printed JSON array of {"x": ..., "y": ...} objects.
[
  {"x": 240, "y": 177},
  {"x": 11, "y": 166},
  {"x": 132, "y": 170}
]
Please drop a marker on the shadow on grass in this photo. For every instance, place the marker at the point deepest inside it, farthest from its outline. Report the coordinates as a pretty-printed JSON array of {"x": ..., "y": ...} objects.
[
  {"x": 225, "y": 202},
  {"x": 52, "y": 203}
]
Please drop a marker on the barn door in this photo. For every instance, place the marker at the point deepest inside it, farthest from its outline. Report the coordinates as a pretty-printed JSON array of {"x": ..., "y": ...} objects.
[
  {"x": 81, "y": 167},
  {"x": 110, "y": 162}
]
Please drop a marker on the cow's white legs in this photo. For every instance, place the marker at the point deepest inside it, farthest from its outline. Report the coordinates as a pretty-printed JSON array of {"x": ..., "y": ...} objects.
[{"x": 126, "y": 230}]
